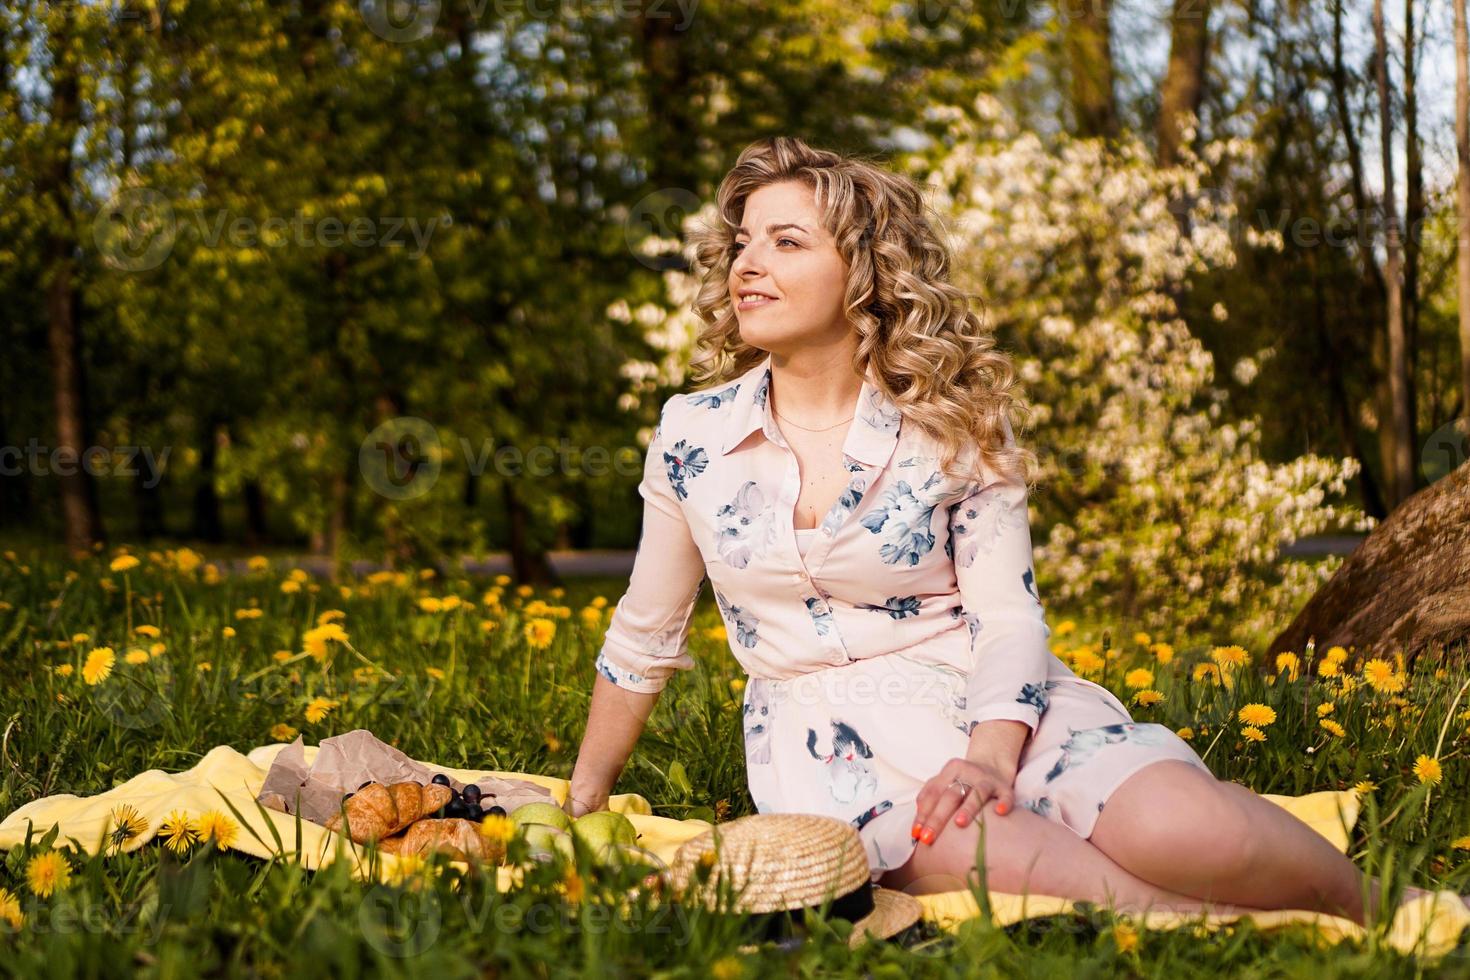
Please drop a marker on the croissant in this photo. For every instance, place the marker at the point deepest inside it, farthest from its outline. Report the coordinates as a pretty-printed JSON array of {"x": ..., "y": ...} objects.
[
  {"x": 377, "y": 811},
  {"x": 460, "y": 838}
]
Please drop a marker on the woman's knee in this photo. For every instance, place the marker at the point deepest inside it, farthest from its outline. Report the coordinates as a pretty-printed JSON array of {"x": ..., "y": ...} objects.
[{"x": 1162, "y": 821}]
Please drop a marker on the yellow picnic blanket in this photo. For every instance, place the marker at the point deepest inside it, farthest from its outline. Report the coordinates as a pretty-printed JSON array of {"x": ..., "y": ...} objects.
[{"x": 1429, "y": 926}]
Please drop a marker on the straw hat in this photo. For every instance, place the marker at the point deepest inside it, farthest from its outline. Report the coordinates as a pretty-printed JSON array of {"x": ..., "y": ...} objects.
[{"x": 786, "y": 862}]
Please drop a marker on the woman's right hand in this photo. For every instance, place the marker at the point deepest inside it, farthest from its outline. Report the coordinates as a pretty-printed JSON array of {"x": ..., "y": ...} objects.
[{"x": 579, "y": 802}]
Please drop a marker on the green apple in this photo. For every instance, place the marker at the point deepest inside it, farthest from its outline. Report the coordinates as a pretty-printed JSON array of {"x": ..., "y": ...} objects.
[
  {"x": 544, "y": 813},
  {"x": 603, "y": 827},
  {"x": 546, "y": 841}
]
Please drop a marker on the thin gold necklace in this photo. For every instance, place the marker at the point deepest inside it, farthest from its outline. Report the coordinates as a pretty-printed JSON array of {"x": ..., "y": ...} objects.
[{"x": 805, "y": 429}]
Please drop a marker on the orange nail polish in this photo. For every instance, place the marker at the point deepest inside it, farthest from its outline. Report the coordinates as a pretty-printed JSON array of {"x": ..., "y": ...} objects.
[
  {"x": 1001, "y": 809},
  {"x": 914, "y": 830},
  {"x": 927, "y": 836}
]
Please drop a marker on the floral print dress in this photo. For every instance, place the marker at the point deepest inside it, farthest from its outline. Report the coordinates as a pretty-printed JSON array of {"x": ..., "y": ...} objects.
[{"x": 874, "y": 642}]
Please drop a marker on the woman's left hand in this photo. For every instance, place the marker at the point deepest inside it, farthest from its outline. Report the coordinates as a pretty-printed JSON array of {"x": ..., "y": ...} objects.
[{"x": 960, "y": 790}]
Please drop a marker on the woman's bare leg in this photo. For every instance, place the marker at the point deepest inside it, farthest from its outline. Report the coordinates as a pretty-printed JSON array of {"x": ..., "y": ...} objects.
[
  {"x": 1027, "y": 854},
  {"x": 1182, "y": 829}
]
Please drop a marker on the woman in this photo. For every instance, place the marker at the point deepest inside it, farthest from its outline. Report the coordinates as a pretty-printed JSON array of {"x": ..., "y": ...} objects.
[{"x": 850, "y": 486}]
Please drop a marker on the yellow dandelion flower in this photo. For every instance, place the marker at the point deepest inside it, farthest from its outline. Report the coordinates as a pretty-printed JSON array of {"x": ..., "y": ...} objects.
[
  {"x": 80, "y": 638},
  {"x": 1162, "y": 652},
  {"x": 148, "y": 630},
  {"x": 315, "y": 640},
  {"x": 1259, "y": 715},
  {"x": 283, "y": 732},
  {"x": 591, "y": 617},
  {"x": 435, "y": 673},
  {"x": 524, "y": 591},
  {"x": 124, "y": 563},
  {"x": 1325, "y": 708},
  {"x": 258, "y": 563},
  {"x": 497, "y": 829},
  {"x": 1084, "y": 661},
  {"x": 219, "y": 827},
  {"x": 600, "y": 601},
  {"x": 1364, "y": 786},
  {"x": 1428, "y": 769},
  {"x": 252, "y": 612},
  {"x": 539, "y": 633},
  {"x": 1125, "y": 937},
  {"x": 10, "y": 909},
  {"x": 99, "y": 665},
  {"x": 1332, "y": 727},
  {"x": 136, "y": 656},
  {"x": 427, "y": 573},
  {"x": 1229, "y": 657},
  {"x": 1065, "y": 626},
  {"x": 737, "y": 685},
  {"x": 281, "y": 656},
  {"x": 1336, "y": 654},
  {"x": 290, "y": 586},
  {"x": 430, "y": 604},
  {"x": 203, "y": 666},
  {"x": 1142, "y": 639},
  {"x": 47, "y": 873},
  {"x": 717, "y": 633},
  {"x": 451, "y": 603},
  {"x": 491, "y": 598},
  {"x": 502, "y": 580},
  {"x": 572, "y": 885},
  {"x": 1148, "y": 697},
  {"x": 330, "y": 616},
  {"x": 1203, "y": 672},
  {"x": 318, "y": 709},
  {"x": 1328, "y": 668},
  {"x": 1461, "y": 843},
  {"x": 298, "y": 575},
  {"x": 228, "y": 632},
  {"x": 1139, "y": 677},
  {"x": 1185, "y": 733},
  {"x": 63, "y": 670},
  {"x": 1253, "y": 734},
  {"x": 488, "y": 625},
  {"x": 727, "y": 968},
  {"x": 1380, "y": 675},
  {"x": 156, "y": 649},
  {"x": 1289, "y": 664},
  {"x": 124, "y": 824},
  {"x": 179, "y": 832}
]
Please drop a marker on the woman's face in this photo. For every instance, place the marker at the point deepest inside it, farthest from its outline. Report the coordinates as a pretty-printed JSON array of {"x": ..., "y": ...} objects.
[{"x": 782, "y": 250}]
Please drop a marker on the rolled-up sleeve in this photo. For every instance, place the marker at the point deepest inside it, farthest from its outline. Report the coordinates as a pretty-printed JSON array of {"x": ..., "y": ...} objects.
[
  {"x": 1011, "y": 656},
  {"x": 648, "y": 636}
]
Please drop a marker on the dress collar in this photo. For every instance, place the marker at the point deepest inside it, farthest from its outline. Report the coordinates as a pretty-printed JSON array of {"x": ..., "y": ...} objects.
[{"x": 870, "y": 438}]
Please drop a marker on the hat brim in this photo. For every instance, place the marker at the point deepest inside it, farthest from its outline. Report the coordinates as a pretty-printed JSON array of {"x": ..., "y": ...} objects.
[{"x": 893, "y": 912}]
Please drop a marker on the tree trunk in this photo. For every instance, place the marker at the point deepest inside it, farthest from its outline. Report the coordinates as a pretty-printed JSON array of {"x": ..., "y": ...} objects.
[
  {"x": 83, "y": 527},
  {"x": 1184, "y": 81},
  {"x": 1405, "y": 588},
  {"x": 1414, "y": 218},
  {"x": 1462, "y": 193},
  {"x": 1087, "y": 37},
  {"x": 529, "y": 564},
  {"x": 1400, "y": 466},
  {"x": 256, "y": 532}
]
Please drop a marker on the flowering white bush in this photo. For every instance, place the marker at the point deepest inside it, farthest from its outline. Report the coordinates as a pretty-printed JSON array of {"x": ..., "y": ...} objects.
[{"x": 1149, "y": 509}]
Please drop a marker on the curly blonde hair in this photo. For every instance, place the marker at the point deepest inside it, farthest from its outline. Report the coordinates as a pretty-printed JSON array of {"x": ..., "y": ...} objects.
[{"x": 928, "y": 350}]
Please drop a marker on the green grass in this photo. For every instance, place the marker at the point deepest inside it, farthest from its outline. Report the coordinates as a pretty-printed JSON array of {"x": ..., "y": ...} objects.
[{"x": 501, "y": 705}]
